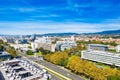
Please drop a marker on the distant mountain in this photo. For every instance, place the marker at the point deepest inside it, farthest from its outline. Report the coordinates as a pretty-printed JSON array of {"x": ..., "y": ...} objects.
[
  {"x": 60, "y": 34},
  {"x": 70, "y": 34},
  {"x": 109, "y": 32}
]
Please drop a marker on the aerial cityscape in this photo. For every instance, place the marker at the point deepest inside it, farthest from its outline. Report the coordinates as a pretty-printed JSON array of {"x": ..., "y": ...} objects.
[{"x": 59, "y": 39}]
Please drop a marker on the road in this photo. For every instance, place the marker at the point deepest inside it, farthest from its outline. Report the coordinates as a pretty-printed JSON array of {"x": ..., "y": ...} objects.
[
  {"x": 54, "y": 77},
  {"x": 57, "y": 69}
]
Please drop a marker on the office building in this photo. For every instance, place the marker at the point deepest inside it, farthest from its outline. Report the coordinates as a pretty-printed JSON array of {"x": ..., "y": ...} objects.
[
  {"x": 102, "y": 56},
  {"x": 99, "y": 47},
  {"x": 44, "y": 40},
  {"x": 99, "y": 54},
  {"x": 22, "y": 70},
  {"x": 62, "y": 45},
  {"x": 45, "y": 46},
  {"x": 33, "y": 37},
  {"x": 45, "y": 43}
]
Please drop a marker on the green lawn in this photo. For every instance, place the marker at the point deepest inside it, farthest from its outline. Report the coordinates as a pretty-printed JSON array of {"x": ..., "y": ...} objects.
[{"x": 39, "y": 54}]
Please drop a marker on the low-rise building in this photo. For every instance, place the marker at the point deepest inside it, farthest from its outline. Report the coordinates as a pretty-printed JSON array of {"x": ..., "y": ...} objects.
[
  {"x": 99, "y": 47},
  {"x": 22, "y": 70},
  {"x": 4, "y": 55},
  {"x": 98, "y": 53},
  {"x": 101, "y": 56},
  {"x": 19, "y": 46}
]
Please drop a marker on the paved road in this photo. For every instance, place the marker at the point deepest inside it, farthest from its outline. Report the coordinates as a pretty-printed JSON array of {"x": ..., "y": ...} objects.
[
  {"x": 54, "y": 77},
  {"x": 57, "y": 69}
]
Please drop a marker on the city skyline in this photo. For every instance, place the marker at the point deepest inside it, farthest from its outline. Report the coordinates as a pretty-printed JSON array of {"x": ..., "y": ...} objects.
[{"x": 51, "y": 16}]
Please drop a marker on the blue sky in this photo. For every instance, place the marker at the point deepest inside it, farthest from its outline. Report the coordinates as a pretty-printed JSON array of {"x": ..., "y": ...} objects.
[{"x": 53, "y": 16}]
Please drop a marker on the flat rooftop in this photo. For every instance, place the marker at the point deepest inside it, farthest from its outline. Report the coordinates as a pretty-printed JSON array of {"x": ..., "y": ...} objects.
[
  {"x": 4, "y": 53},
  {"x": 102, "y": 53},
  {"x": 18, "y": 69}
]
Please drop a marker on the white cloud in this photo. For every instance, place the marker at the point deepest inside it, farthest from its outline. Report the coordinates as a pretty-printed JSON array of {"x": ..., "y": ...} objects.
[{"x": 51, "y": 27}]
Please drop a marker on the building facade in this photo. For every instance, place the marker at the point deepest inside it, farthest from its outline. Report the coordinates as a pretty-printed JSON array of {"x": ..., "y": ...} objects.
[
  {"x": 118, "y": 48},
  {"x": 99, "y": 47},
  {"x": 45, "y": 46},
  {"x": 22, "y": 70},
  {"x": 101, "y": 56},
  {"x": 62, "y": 45},
  {"x": 4, "y": 55}
]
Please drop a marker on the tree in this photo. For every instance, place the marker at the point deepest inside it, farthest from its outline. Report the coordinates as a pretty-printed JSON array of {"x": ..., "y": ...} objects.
[
  {"x": 1, "y": 41},
  {"x": 113, "y": 78},
  {"x": 29, "y": 52},
  {"x": 1, "y": 47},
  {"x": 12, "y": 52},
  {"x": 29, "y": 47},
  {"x": 83, "y": 67},
  {"x": 47, "y": 57}
]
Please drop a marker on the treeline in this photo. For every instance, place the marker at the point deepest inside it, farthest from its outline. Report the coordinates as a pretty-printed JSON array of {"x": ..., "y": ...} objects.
[
  {"x": 6, "y": 47},
  {"x": 43, "y": 51},
  {"x": 111, "y": 43},
  {"x": 81, "y": 67},
  {"x": 58, "y": 58}
]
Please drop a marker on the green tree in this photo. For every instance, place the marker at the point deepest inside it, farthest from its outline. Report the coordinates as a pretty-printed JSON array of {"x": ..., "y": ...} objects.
[
  {"x": 113, "y": 78},
  {"x": 29, "y": 47},
  {"x": 29, "y": 52},
  {"x": 12, "y": 52}
]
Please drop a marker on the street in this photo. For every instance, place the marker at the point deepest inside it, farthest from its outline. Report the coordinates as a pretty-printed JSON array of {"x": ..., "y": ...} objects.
[
  {"x": 57, "y": 69},
  {"x": 54, "y": 68}
]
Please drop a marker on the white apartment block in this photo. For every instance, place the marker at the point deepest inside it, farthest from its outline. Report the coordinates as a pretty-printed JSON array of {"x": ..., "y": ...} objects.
[{"x": 62, "y": 45}]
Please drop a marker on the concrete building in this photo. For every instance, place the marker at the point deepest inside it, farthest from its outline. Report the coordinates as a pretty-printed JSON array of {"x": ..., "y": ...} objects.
[
  {"x": 33, "y": 37},
  {"x": 118, "y": 48},
  {"x": 99, "y": 47},
  {"x": 21, "y": 41},
  {"x": 22, "y": 70},
  {"x": 44, "y": 40},
  {"x": 102, "y": 56},
  {"x": 62, "y": 45},
  {"x": 19, "y": 46},
  {"x": 4, "y": 55},
  {"x": 98, "y": 53},
  {"x": 46, "y": 46}
]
